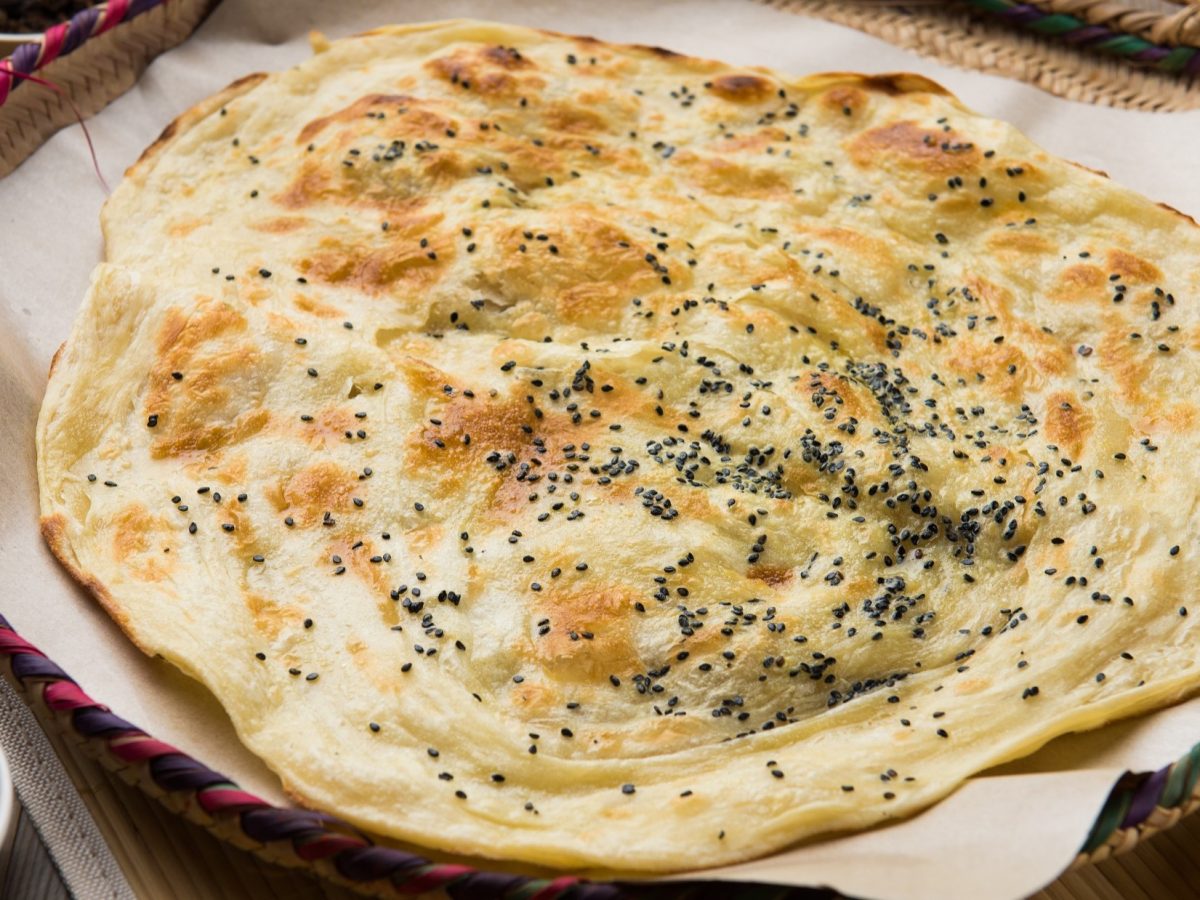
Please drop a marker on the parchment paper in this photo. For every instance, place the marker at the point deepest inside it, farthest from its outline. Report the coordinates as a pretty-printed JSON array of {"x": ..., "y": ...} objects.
[{"x": 1003, "y": 835}]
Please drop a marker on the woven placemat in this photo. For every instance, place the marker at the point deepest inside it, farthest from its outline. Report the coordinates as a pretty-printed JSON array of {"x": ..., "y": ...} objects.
[{"x": 957, "y": 34}]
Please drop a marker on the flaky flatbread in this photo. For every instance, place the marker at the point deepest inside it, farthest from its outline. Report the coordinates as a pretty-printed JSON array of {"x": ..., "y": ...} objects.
[{"x": 598, "y": 457}]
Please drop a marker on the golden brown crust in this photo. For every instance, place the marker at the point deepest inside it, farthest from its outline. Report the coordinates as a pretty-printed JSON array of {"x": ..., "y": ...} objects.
[
  {"x": 53, "y": 530},
  {"x": 189, "y": 118}
]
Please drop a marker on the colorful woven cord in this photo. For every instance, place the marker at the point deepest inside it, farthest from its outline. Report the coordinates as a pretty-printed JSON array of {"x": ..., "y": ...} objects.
[
  {"x": 66, "y": 38},
  {"x": 1080, "y": 33},
  {"x": 313, "y": 836}
]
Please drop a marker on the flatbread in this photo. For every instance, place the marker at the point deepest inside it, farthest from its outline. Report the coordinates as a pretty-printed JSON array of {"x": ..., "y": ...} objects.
[{"x": 597, "y": 457}]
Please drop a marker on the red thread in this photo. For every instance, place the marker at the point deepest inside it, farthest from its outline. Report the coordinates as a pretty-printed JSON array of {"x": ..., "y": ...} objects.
[{"x": 12, "y": 73}]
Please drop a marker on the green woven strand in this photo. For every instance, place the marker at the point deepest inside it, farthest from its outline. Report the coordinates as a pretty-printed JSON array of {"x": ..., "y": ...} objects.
[
  {"x": 1124, "y": 45},
  {"x": 1056, "y": 24},
  {"x": 993, "y": 5},
  {"x": 1108, "y": 821},
  {"x": 1062, "y": 24},
  {"x": 1176, "y": 59},
  {"x": 1182, "y": 780}
]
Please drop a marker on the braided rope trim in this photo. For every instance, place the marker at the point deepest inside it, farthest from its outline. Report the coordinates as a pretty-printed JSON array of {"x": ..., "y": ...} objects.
[
  {"x": 1108, "y": 38},
  {"x": 1179, "y": 27},
  {"x": 65, "y": 38},
  {"x": 212, "y": 800},
  {"x": 1142, "y": 804}
]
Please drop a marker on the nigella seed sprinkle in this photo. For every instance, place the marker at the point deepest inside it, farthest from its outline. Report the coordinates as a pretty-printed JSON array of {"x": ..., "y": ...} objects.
[
  {"x": 374, "y": 726},
  {"x": 628, "y": 789}
]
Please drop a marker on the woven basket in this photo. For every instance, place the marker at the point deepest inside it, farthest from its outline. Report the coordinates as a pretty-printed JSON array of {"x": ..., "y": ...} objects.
[
  {"x": 1122, "y": 53},
  {"x": 92, "y": 59}
]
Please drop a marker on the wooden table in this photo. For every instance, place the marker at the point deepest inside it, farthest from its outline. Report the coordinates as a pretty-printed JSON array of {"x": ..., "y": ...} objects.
[{"x": 164, "y": 856}]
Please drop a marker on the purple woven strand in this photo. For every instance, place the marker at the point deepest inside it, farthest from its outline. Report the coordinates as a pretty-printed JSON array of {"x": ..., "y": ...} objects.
[
  {"x": 371, "y": 863},
  {"x": 275, "y": 824},
  {"x": 24, "y": 58},
  {"x": 1022, "y": 15},
  {"x": 1151, "y": 55},
  {"x": 29, "y": 665},
  {"x": 137, "y": 7},
  {"x": 1145, "y": 798},
  {"x": 1088, "y": 35},
  {"x": 176, "y": 772},
  {"x": 484, "y": 884},
  {"x": 1192, "y": 69},
  {"x": 80, "y": 29},
  {"x": 591, "y": 890},
  {"x": 95, "y": 721}
]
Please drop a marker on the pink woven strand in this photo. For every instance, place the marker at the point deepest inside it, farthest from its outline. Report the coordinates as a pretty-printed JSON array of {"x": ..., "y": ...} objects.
[
  {"x": 113, "y": 14},
  {"x": 133, "y": 748},
  {"x": 61, "y": 695},
  {"x": 12, "y": 643},
  {"x": 52, "y": 43},
  {"x": 327, "y": 845},
  {"x": 221, "y": 799},
  {"x": 437, "y": 877}
]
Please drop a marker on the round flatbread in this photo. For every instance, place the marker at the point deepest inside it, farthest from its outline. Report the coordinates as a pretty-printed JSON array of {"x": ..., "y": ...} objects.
[{"x": 598, "y": 457}]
